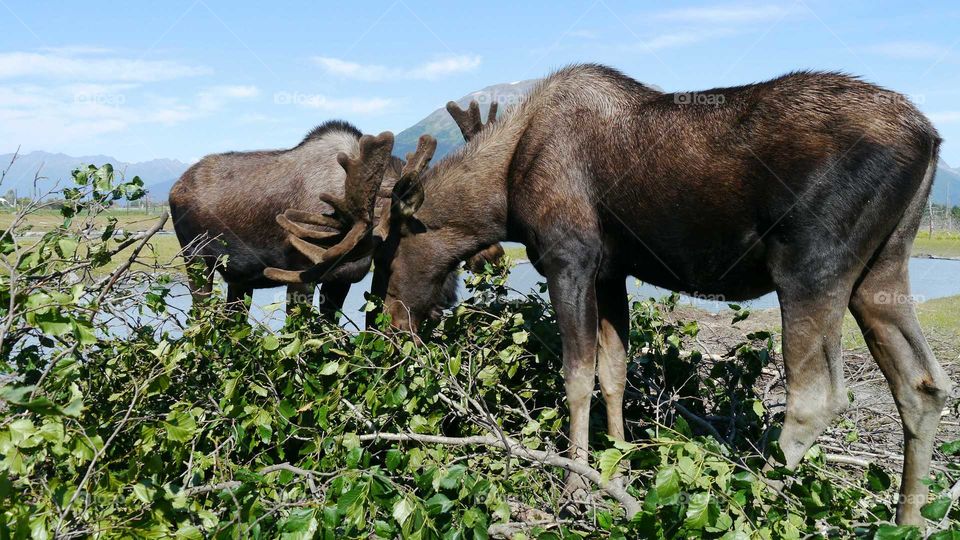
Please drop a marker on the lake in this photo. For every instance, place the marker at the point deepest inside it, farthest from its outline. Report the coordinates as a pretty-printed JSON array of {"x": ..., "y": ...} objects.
[{"x": 929, "y": 279}]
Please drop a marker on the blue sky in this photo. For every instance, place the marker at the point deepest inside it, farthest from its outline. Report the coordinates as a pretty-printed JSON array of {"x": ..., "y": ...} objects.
[{"x": 182, "y": 79}]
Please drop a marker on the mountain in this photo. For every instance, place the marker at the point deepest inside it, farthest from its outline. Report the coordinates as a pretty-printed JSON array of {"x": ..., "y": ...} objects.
[
  {"x": 159, "y": 175},
  {"x": 946, "y": 185},
  {"x": 445, "y": 130},
  {"x": 54, "y": 169}
]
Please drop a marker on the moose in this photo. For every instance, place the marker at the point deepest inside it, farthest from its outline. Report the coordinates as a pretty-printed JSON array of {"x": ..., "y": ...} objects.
[
  {"x": 811, "y": 185},
  {"x": 233, "y": 205}
]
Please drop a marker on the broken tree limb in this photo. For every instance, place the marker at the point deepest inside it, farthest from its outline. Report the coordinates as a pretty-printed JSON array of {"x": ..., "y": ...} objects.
[{"x": 630, "y": 505}]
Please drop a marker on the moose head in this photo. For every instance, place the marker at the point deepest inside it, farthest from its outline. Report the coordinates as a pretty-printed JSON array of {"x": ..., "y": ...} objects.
[{"x": 358, "y": 226}]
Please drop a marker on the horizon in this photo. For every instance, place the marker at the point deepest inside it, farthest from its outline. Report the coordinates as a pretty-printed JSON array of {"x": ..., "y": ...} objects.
[{"x": 210, "y": 76}]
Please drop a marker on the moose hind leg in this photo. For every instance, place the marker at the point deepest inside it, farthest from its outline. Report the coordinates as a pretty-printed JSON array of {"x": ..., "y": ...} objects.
[
  {"x": 613, "y": 333},
  {"x": 571, "y": 274},
  {"x": 812, "y": 359},
  {"x": 332, "y": 296},
  {"x": 299, "y": 294},
  {"x": 886, "y": 316},
  {"x": 235, "y": 298}
]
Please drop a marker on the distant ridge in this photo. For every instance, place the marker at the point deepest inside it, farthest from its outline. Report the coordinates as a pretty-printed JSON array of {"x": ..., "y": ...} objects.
[
  {"x": 440, "y": 125},
  {"x": 55, "y": 168},
  {"x": 159, "y": 175}
]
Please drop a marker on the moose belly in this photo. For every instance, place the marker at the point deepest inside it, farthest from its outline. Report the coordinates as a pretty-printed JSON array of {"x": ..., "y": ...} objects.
[{"x": 725, "y": 265}]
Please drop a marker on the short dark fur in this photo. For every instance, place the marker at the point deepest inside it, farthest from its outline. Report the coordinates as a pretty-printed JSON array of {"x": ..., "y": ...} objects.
[
  {"x": 327, "y": 127},
  {"x": 811, "y": 185}
]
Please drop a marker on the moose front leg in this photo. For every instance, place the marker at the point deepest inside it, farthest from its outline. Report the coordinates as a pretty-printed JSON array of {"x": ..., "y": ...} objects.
[{"x": 574, "y": 298}]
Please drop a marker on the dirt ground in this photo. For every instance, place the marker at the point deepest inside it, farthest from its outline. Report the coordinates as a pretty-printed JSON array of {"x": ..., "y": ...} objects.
[{"x": 870, "y": 429}]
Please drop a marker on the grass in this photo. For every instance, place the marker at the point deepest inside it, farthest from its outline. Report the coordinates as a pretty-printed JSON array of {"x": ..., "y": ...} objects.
[
  {"x": 939, "y": 319},
  {"x": 45, "y": 220},
  {"x": 940, "y": 244},
  {"x": 162, "y": 249}
]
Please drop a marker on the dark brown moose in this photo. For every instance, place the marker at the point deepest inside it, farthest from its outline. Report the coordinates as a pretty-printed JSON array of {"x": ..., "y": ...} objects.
[
  {"x": 234, "y": 211},
  {"x": 811, "y": 185}
]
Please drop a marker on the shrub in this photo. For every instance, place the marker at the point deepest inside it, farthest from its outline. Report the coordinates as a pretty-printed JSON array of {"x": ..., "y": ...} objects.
[{"x": 124, "y": 419}]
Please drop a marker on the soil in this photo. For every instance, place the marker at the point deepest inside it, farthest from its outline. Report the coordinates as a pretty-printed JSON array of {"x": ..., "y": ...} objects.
[{"x": 870, "y": 429}]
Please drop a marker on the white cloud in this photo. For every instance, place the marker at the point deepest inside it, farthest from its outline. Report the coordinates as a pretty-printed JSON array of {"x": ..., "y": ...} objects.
[
  {"x": 373, "y": 72},
  {"x": 45, "y": 116},
  {"x": 909, "y": 50},
  {"x": 337, "y": 105},
  {"x": 82, "y": 65},
  {"x": 738, "y": 13},
  {"x": 75, "y": 50},
  {"x": 945, "y": 117},
  {"x": 678, "y": 39},
  {"x": 215, "y": 97}
]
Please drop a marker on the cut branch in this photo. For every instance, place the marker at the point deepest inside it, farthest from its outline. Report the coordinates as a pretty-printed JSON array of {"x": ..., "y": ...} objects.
[{"x": 630, "y": 505}]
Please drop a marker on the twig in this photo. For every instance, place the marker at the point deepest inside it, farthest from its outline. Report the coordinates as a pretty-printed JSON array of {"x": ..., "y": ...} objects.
[
  {"x": 133, "y": 256},
  {"x": 953, "y": 494},
  {"x": 233, "y": 484},
  {"x": 847, "y": 460},
  {"x": 630, "y": 505}
]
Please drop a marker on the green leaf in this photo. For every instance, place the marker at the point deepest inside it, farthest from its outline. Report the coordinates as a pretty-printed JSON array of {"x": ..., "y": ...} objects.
[
  {"x": 935, "y": 510},
  {"x": 180, "y": 426},
  {"x": 144, "y": 492},
  {"x": 330, "y": 368},
  {"x": 667, "y": 483},
  {"x": 697, "y": 514},
  {"x": 893, "y": 532},
  {"x": 292, "y": 348},
  {"x": 877, "y": 479},
  {"x": 21, "y": 430},
  {"x": 53, "y": 323},
  {"x": 950, "y": 448},
  {"x": 439, "y": 504},
  {"x": 609, "y": 460},
  {"x": 270, "y": 343},
  {"x": 402, "y": 510},
  {"x": 394, "y": 459}
]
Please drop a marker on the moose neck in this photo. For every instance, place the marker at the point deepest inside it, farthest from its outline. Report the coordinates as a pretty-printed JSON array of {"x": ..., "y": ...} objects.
[{"x": 466, "y": 192}]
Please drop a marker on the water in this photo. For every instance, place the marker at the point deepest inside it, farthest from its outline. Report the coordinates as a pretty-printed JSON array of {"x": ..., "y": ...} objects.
[{"x": 929, "y": 279}]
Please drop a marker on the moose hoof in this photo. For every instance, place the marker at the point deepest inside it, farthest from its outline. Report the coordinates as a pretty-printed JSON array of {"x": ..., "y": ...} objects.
[{"x": 577, "y": 492}]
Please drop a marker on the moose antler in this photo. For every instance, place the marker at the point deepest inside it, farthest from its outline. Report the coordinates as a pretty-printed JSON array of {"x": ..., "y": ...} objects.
[
  {"x": 408, "y": 193},
  {"x": 354, "y": 212},
  {"x": 469, "y": 120}
]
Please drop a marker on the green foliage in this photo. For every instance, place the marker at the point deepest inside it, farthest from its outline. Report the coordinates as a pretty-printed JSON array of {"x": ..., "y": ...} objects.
[{"x": 121, "y": 426}]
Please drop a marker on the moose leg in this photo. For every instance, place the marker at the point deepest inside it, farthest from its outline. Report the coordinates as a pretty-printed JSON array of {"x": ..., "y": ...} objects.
[
  {"x": 235, "y": 295},
  {"x": 332, "y": 296},
  {"x": 570, "y": 280},
  {"x": 201, "y": 282},
  {"x": 299, "y": 294},
  {"x": 816, "y": 391},
  {"x": 883, "y": 309},
  {"x": 613, "y": 332}
]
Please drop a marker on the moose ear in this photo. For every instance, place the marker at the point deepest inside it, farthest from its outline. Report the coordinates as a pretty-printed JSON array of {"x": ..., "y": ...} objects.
[{"x": 408, "y": 193}]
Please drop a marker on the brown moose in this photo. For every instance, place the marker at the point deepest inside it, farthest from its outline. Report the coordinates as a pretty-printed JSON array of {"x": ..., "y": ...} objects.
[{"x": 811, "y": 185}]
